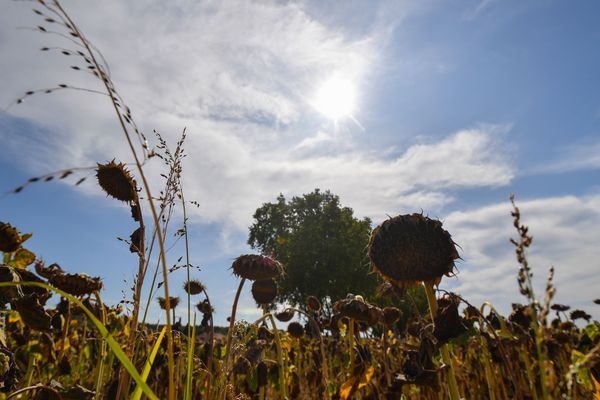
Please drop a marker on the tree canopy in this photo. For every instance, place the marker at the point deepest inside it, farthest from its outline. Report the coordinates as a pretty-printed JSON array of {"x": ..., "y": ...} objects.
[{"x": 322, "y": 245}]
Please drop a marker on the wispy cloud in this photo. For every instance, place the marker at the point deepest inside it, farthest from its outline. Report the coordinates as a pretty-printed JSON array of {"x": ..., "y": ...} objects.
[
  {"x": 237, "y": 74},
  {"x": 574, "y": 158},
  {"x": 482, "y": 5},
  {"x": 565, "y": 232}
]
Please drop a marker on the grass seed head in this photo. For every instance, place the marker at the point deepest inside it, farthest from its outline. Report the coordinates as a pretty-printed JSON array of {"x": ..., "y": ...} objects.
[
  {"x": 412, "y": 248},
  {"x": 255, "y": 267},
  {"x": 116, "y": 181},
  {"x": 10, "y": 240}
]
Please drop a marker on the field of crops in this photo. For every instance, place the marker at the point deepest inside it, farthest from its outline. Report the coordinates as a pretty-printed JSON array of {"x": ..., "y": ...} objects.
[{"x": 59, "y": 340}]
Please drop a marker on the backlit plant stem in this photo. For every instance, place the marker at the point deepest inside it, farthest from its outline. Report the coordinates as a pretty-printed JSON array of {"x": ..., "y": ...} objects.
[
  {"x": 282, "y": 387},
  {"x": 232, "y": 324},
  {"x": 431, "y": 300}
]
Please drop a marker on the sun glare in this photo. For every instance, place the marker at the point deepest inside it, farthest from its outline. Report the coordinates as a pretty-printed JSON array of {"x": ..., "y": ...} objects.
[{"x": 335, "y": 98}]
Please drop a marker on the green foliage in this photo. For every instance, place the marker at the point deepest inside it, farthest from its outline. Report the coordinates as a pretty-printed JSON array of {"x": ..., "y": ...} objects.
[{"x": 322, "y": 245}]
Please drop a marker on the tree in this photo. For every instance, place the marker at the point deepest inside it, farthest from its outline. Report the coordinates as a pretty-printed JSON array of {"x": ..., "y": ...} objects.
[{"x": 321, "y": 244}]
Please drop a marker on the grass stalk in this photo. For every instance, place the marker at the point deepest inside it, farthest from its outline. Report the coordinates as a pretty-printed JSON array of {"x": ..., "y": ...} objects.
[
  {"x": 146, "y": 188},
  {"x": 190, "y": 360}
]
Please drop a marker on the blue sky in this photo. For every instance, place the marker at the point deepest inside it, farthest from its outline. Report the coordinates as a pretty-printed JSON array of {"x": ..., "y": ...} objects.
[{"x": 457, "y": 104}]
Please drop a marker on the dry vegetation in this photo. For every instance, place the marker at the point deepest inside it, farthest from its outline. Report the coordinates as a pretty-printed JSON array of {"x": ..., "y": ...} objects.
[{"x": 81, "y": 348}]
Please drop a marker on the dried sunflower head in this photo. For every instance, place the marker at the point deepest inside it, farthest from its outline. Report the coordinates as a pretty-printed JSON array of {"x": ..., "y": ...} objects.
[
  {"x": 448, "y": 324},
  {"x": 9, "y": 293},
  {"x": 116, "y": 181},
  {"x": 357, "y": 308},
  {"x": 32, "y": 313},
  {"x": 391, "y": 315},
  {"x": 295, "y": 329},
  {"x": 313, "y": 303},
  {"x": 205, "y": 308},
  {"x": 264, "y": 291},
  {"x": 242, "y": 366},
  {"x": 255, "y": 267},
  {"x": 76, "y": 284},
  {"x": 173, "y": 302},
  {"x": 285, "y": 315},
  {"x": 193, "y": 287},
  {"x": 10, "y": 240},
  {"x": 412, "y": 248}
]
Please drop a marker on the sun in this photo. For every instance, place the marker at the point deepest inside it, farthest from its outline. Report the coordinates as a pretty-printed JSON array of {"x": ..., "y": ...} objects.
[{"x": 335, "y": 98}]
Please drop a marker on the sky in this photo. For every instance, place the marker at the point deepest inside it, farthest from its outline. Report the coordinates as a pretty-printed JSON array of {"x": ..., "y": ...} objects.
[{"x": 441, "y": 107}]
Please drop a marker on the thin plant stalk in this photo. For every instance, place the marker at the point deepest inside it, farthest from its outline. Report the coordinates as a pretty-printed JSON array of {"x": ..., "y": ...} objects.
[
  {"x": 351, "y": 344},
  {"x": 190, "y": 359},
  {"x": 282, "y": 386},
  {"x": 325, "y": 366},
  {"x": 454, "y": 395},
  {"x": 100, "y": 367},
  {"x": 232, "y": 325},
  {"x": 146, "y": 186}
]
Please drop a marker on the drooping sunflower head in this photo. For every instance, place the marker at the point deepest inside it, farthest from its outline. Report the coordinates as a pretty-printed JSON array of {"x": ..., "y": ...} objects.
[
  {"x": 264, "y": 291},
  {"x": 10, "y": 240},
  {"x": 256, "y": 267},
  {"x": 412, "y": 248},
  {"x": 193, "y": 287},
  {"x": 116, "y": 181},
  {"x": 173, "y": 302}
]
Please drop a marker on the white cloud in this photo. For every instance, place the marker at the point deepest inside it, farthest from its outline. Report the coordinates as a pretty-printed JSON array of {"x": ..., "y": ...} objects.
[
  {"x": 237, "y": 75},
  {"x": 565, "y": 235},
  {"x": 574, "y": 158}
]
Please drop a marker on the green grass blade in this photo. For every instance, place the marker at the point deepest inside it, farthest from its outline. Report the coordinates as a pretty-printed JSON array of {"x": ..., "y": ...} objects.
[
  {"x": 191, "y": 346},
  {"x": 112, "y": 343},
  {"x": 137, "y": 393}
]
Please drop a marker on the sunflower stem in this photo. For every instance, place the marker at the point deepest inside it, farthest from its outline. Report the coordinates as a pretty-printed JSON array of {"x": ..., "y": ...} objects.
[
  {"x": 282, "y": 387},
  {"x": 431, "y": 300},
  {"x": 231, "y": 326}
]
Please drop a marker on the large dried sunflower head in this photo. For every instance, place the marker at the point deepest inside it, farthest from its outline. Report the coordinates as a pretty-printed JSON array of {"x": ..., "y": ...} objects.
[
  {"x": 412, "y": 248},
  {"x": 10, "y": 240},
  {"x": 255, "y": 267},
  {"x": 295, "y": 329},
  {"x": 116, "y": 181},
  {"x": 76, "y": 284},
  {"x": 264, "y": 291}
]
